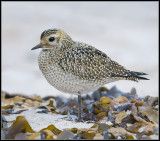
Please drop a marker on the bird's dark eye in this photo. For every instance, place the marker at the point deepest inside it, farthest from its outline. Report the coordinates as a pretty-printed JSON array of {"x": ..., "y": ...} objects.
[{"x": 51, "y": 39}]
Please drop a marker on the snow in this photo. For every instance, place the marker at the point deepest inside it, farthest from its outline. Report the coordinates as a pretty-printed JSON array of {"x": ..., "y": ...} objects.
[{"x": 39, "y": 121}]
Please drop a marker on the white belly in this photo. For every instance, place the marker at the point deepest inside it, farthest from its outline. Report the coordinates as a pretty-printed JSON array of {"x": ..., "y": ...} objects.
[{"x": 69, "y": 83}]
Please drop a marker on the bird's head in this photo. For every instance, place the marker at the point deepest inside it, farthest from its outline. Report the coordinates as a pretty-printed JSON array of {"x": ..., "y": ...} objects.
[{"x": 55, "y": 39}]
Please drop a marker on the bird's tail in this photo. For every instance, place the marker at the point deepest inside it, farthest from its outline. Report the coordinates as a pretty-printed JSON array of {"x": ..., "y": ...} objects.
[
  {"x": 132, "y": 75},
  {"x": 138, "y": 75}
]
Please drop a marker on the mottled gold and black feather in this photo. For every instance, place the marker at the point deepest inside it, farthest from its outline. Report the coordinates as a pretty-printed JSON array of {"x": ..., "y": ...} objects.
[
  {"x": 77, "y": 68},
  {"x": 88, "y": 63}
]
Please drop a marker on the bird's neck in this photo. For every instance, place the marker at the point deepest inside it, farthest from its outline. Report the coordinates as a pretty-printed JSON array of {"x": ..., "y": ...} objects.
[{"x": 65, "y": 42}]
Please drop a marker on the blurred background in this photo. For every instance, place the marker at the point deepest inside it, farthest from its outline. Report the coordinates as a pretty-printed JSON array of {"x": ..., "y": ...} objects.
[{"x": 126, "y": 31}]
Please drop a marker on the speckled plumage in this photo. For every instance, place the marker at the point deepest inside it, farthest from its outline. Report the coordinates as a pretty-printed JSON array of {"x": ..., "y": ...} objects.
[{"x": 75, "y": 67}]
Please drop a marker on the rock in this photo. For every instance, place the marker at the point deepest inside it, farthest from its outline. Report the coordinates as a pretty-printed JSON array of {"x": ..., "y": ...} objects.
[{"x": 65, "y": 135}]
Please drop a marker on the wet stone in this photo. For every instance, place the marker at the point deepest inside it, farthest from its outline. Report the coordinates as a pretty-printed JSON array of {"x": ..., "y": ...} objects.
[
  {"x": 87, "y": 102},
  {"x": 65, "y": 135},
  {"x": 103, "y": 127},
  {"x": 96, "y": 95},
  {"x": 121, "y": 107},
  {"x": 86, "y": 97},
  {"x": 152, "y": 101},
  {"x": 90, "y": 116},
  {"x": 114, "y": 92},
  {"x": 45, "y": 111},
  {"x": 106, "y": 135},
  {"x": 111, "y": 117},
  {"x": 129, "y": 119},
  {"x": 90, "y": 108},
  {"x": 133, "y": 92},
  {"x": 59, "y": 101}
]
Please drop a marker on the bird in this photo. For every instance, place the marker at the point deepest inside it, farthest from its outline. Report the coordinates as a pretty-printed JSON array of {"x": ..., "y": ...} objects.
[{"x": 78, "y": 68}]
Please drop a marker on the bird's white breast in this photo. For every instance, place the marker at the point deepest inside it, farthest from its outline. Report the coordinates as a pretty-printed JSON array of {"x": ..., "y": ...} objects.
[{"x": 64, "y": 81}]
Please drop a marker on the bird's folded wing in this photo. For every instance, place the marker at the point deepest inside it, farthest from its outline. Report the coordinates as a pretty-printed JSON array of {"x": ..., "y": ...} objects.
[{"x": 89, "y": 63}]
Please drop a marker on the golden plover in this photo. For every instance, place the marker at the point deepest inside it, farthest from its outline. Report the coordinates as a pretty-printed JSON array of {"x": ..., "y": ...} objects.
[{"x": 77, "y": 68}]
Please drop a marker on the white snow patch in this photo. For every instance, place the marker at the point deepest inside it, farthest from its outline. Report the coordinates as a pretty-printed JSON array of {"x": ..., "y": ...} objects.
[{"x": 39, "y": 121}]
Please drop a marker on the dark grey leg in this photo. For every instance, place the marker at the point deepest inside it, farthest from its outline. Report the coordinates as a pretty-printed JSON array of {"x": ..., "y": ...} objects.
[{"x": 79, "y": 107}]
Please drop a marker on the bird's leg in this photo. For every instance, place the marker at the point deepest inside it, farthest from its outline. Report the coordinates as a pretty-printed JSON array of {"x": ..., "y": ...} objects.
[{"x": 79, "y": 107}]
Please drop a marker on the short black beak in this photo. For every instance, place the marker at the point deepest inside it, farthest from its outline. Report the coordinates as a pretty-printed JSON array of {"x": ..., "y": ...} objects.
[{"x": 37, "y": 46}]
